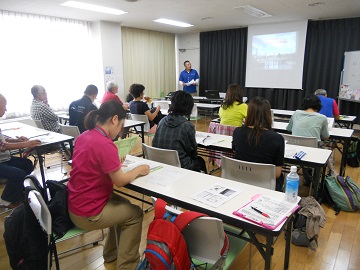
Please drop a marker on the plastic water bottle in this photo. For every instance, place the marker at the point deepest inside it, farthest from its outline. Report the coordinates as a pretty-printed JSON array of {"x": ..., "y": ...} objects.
[{"x": 292, "y": 185}]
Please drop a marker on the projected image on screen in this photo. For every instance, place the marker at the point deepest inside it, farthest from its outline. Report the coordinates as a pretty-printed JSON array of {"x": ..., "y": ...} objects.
[{"x": 274, "y": 51}]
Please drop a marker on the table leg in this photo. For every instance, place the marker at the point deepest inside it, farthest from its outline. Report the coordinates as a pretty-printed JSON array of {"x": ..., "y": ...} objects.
[
  {"x": 288, "y": 233},
  {"x": 346, "y": 144},
  {"x": 268, "y": 252},
  {"x": 142, "y": 134},
  {"x": 42, "y": 172}
]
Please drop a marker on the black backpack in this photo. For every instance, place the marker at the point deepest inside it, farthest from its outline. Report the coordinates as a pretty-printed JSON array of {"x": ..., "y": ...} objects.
[
  {"x": 58, "y": 207},
  {"x": 26, "y": 243}
]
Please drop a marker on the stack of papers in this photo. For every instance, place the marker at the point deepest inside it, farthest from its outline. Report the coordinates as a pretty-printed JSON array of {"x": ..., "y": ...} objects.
[{"x": 266, "y": 211}]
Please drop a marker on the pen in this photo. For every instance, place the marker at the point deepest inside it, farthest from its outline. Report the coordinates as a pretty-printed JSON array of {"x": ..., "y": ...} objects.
[
  {"x": 260, "y": 212},
  {"x": 38, "y": 135},
  {"x": 156, "y": 168},
  {"x": 205, "y": 138}
]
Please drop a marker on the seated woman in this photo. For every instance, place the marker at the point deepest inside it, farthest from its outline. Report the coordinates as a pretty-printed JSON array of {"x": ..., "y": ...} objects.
[
  {"x": 137, "y": 106},
  {"x": 95, "y": 169},
  {"x": 176, "y": 132},
  {"x": 233, "y": 111},
  {"x": 257, "y": 142}
]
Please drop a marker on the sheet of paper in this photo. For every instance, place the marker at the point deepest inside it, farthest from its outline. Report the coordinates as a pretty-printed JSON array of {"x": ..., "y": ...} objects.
[
  {"x": 276, "y": 209},
  {"x": 216, "y": 195},
  {"x": 190, "y": 83},
  {"x": 202, "y": 138},
  {"x": 164, "y": 176},
  {"x": 124, "y": 146}
]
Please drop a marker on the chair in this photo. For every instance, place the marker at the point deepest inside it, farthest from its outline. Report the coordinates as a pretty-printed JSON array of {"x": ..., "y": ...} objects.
[
  {"x": 28, "y": 121},
  {"x": 217, "y": 128},
  {"x": 256, "y": 174},
  {"x": 205, "y": 238},
  {"x": 303, "y": 141},
  {"x": 299, "y": 140},
  {"x": 72, "y": 131},
  {"x": 166, "y": 156},
  {"x": 42, "y": 213},
  {"x": 195, "y": 114},
  {"x": 32, "y": 181},
  {"x": 38, "y": 123},
  {"x": 143, "y": 118}
]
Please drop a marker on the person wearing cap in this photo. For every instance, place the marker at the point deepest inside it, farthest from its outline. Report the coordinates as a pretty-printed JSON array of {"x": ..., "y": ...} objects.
[
  {"x": 78, "y": 109},
  {"x": 111, "y": 94},
  {"x": 329, "y": 105}
]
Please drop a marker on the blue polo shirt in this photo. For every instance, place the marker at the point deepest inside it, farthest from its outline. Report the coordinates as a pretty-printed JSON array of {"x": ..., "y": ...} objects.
[{"x": 187, "y": 77}]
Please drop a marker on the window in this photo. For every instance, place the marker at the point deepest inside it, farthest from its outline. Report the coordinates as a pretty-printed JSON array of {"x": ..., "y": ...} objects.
[{"x": 55, "y": 53}]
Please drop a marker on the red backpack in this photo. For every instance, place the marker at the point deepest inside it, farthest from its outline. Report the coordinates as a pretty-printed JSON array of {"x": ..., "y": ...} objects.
[{"x": 166, "y": 247}]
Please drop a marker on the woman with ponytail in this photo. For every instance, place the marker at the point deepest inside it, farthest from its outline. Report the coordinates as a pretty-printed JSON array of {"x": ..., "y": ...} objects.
[{"x": 96, "y": 167}]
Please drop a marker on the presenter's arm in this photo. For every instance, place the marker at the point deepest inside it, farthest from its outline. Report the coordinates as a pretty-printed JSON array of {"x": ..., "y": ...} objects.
[{"x": 121, "y": 178}]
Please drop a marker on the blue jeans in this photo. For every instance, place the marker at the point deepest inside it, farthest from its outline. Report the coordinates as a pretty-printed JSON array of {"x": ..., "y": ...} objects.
[{"x": 14, "y": 171}]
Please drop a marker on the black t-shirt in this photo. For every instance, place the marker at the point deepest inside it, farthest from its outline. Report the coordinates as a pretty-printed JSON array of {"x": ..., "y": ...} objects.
[
  {"x": 270, "y": 150},
  {"x": 138, "y": 107}
]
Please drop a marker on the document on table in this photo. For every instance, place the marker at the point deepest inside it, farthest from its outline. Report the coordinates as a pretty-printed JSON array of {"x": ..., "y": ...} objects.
[
  {"x": 216, "y": 195},
  {"x": 266, "y": 211},
  {"x": 31, "y": 134},
  {"x": 159, "y": 175},
  {"x": 202, "y": 138}
]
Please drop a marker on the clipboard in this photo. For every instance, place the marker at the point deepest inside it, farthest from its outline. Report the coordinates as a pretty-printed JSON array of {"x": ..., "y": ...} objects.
[{"x": 277, "y": 210}]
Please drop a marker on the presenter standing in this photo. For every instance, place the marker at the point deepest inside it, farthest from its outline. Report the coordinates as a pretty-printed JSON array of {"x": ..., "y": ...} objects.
[{"x": 189, "y": 79}]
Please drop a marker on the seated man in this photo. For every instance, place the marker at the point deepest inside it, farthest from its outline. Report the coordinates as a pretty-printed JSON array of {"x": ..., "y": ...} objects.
[
  {"x": 111, "y": 94},
  {"x": 79, "y": 109},
  {"x": 137, "y": 106},
  {"x": 14, "y": 169},
  {"x": 40, "y": 109},
  {"x": 308, "y": 122},
  {"x": 329, "y": 105}
]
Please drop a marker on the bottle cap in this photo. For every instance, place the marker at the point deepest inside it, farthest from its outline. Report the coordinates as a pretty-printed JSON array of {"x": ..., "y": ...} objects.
[{"x": 293, "y": 169}]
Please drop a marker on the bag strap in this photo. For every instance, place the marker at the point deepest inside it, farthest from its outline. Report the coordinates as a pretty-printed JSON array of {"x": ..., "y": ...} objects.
[
  {"x": 160, "y": 208},
  {"x": 345, "y": 188},
  {"x": 185, "y": 218}
]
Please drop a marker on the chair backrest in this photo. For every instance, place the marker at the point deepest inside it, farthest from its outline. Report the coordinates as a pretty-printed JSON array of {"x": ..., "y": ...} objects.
[
  {"x": 204, "y": 237},
  {"x": 28, "y": 121},
  {"x": 218, "y": 128},
  {"x": 170, "y": 157},
  {"x": 72, "y": 131},
  {"x": 331, "y": 122},
  {"x": 194, "y": 112},
  {"x": 41, "y": 211},
  {"x": 256, "y": 174},
  {"x": 38, "y": 123},
  {"x": 299, "y": 140},
  {"x": 142, "y": 118}
]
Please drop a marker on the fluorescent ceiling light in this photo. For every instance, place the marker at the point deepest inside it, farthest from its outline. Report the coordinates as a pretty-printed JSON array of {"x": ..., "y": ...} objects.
[
  {"x": 96, "y": 8},
  {"x": 253, "y": 11},
  {"x": 171, "y": 22}
]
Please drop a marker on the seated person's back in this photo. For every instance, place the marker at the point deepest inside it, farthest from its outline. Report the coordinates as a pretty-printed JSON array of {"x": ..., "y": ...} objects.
[
  {"x": 233, "y": 111},
  {"x": 78, "y": 109},
  {"x": 308, "y": 122},
  {"x": 256, "y": 142},
  {"x": 176, "y": 132},
  {"x": 137, "y": 106}
]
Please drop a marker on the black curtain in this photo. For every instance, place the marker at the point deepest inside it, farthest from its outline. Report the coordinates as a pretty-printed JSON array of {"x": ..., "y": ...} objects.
[{"x": 223, "y": 61}]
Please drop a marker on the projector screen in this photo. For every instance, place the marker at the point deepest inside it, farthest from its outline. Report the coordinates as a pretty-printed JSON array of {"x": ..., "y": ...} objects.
[{"x": 275, "y": 55}]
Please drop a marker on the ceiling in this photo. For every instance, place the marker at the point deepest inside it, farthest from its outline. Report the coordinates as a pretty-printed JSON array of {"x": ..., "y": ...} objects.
[{"x": 142, "y": 12}]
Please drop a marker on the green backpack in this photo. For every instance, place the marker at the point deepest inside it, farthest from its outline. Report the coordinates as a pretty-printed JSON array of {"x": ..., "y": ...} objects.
[
  {"x": 353, "y": 156},
  {"x": 344, "y": 192}
]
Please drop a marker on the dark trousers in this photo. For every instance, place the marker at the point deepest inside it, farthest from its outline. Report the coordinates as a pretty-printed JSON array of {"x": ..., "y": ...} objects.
[
  {"x": 14, "y": 171},
  {"x": 157, "y": 118},
  {"x": 199, "y": 165}
]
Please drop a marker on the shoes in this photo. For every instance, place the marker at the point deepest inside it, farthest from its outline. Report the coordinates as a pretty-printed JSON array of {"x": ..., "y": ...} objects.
[{"x": 11, "y": 205}]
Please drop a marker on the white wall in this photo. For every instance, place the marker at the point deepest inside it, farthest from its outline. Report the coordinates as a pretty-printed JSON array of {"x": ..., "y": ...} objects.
[
  {"x": 191, "y": 44},
  {"x": 107, "y": 37}
]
